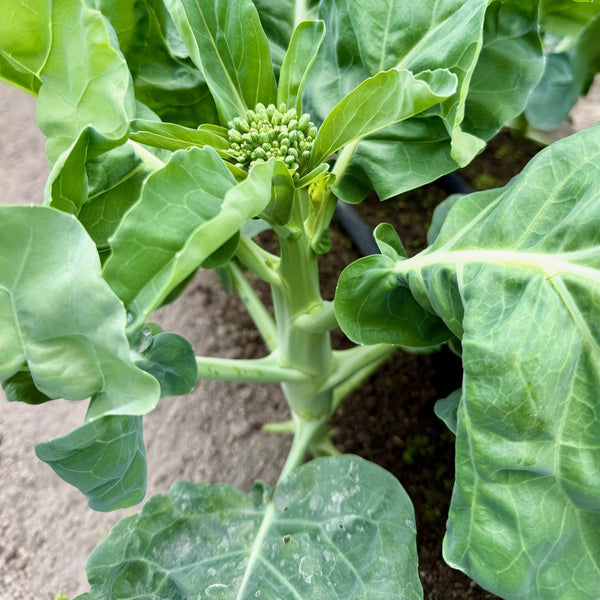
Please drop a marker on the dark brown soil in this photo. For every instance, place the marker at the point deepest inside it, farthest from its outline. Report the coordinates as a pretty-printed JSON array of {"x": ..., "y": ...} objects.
[{"x": 390, "y": 419}]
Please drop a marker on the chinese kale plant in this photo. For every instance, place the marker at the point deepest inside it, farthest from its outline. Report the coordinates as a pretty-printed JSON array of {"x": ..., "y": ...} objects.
[{"x": 179, "y": 129}]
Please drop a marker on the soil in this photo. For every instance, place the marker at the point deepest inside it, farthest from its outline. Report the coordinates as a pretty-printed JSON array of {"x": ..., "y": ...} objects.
[{"x": 215, "y": 433}]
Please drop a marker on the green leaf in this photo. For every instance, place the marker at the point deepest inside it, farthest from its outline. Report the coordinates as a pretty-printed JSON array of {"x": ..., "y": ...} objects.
[
  {"x": 567, "y": 76},
  {"x": 114, "y": 182},
  {"x": 60, "y": 318},
  {"x": 299, "y": 59},
  {"x": 389, "y": 243},
  {"x": 336, "y": 528},
  {"x": 85, "y": 82},
  {"x": 20, "y": 387},
  {"x": 164, "y": 77},
  {"x": 398, "y": 95},
  {"x": 447, "y": 409},
  {"x": 175, "y": 137},
  {"x": 440, "y": 213},
  {"x": 104, "y": 459},
  {"x": 510, "y": 65},
  {"x": 372, "y": 306},
  {"x": 517, "y": 279},
  {"x": 566, "y": 18},
  {"x": 226, "y": 42},
  {"x": 162, "y": 240},
  {"x": 171, "y": 360},
  {"x": 279, "y": 209},
  {"x": 23, "y": 56},
  {"x": 338, "y": 68},
  {"x": 451, "y": 35},
  {"x": 278, "y": 20},
  {"x": 67, "y": 185}
]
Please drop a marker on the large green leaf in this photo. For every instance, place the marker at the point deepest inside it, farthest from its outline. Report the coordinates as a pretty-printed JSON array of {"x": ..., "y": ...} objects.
[
  {"x": 25, "y": 38},
  {"x": 567, "y": 76},
  {"x": 509, "y": 67},
  {"x": 60, "y": 318},
  {"x": 104, "y": 459},
  {"x": 517, "y": 278},
  {"x": 183, "y": 216},
  {"x": 397, "y": 94},
  {"x": 465, "y": 37},
  {"x": 85, "y": 82},
  {"x": 227, "y": 43},
  {"x": 164, "y": 77},
  {"x": 566, "y": 18},
  {"x": 337, "y": 528}
]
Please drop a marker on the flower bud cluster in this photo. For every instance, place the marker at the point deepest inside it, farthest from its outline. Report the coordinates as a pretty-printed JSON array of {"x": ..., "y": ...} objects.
[{"x": 270, "y": 132}]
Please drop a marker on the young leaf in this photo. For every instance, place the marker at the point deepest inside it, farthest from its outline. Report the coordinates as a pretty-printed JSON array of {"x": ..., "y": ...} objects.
[
  {"x": 60, "y": 318},
  {"x": 372, "y": 306},
  {"x": 378, "y": 102},
  {"x": 279, "y": 209},
  {"x": 182, "y": 217},
  {"x": 175, "y": 137},
  {"x": 105, "y": 460},
  {"x": 517, "y": 279},
  {"x": 171, "y": 360},
  {"x": 299, "y": 59},
  {"x": 226, "y": 42},
  {"x": 336, "y": 528}
]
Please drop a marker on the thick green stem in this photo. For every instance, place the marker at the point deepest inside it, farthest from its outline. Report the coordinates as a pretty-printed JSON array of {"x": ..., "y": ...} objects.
[{"x": 298, "y": 295}]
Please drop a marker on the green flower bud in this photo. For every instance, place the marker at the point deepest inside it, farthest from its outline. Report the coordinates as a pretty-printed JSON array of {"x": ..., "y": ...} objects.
[
  {"x": 235, "y": 135},
  {"x": 271, "y": 132},
  {"x": 304, "y": 121}
]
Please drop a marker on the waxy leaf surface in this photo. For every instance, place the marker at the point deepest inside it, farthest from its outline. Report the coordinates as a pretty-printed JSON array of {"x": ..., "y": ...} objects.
[
  {"x": 187, "y": 211},
  {"x": 25, "y": 40},
  {"x": 85, "y": 82},
  {"x": 104, "y": 459},
  {"x": 164, "y": 77},
  {"x": 60, "y": 318},
  {"x": 398, "y": 94},
  {"x": 336, "y": 528},
  {"x": 515, "y": 274},
  {"x": 298, "y": 60},
  {"x": 464, "y": 37}
]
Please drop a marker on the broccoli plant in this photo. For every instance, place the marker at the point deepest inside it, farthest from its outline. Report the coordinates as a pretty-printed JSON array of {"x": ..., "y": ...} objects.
[{"x": 177, "y": 131}]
